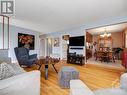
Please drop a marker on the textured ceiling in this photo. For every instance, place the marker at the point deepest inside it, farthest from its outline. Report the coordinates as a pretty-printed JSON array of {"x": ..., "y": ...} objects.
[
  {"x": 55, "y": 15},
  {"x": 109, "y": 29}
]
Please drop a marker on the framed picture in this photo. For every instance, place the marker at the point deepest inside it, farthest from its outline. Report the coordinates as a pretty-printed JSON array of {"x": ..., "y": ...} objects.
[
  {"x": 26, "y": 40},
  {"x": 56, "y": 42}
]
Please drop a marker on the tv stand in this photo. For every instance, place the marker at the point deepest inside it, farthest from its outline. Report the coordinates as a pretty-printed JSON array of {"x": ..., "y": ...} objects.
[{"x": 75, "y": 58}]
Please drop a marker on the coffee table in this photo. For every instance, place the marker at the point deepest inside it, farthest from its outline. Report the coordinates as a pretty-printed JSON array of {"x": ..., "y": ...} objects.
[{"x": 48, "y": 61}]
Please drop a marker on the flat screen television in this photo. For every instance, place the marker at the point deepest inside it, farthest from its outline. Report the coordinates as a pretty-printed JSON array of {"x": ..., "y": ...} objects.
[{"x": 77, "y": 41}]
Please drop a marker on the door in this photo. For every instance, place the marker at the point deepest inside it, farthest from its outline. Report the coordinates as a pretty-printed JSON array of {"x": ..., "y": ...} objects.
[
  {"x": 48, "y": 46},
  {"x": 42, "y": 47}
]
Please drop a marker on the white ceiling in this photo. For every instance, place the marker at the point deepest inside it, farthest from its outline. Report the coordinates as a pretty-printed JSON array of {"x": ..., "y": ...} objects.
[
  {"x": 56, "y": 15},
  {"x": 109, "y": 29}
]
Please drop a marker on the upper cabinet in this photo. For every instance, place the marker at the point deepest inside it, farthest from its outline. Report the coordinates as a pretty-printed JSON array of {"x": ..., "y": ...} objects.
[
  {"x": 4, "y": 32},
  {"x": 105, "y": 42}
]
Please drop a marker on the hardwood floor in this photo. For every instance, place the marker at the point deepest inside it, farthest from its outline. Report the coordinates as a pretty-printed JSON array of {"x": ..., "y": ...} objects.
[{"x": 94, "y": 76}]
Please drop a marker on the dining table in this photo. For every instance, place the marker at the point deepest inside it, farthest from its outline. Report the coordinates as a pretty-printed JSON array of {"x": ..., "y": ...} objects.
[{"x": 105, "y": 56}]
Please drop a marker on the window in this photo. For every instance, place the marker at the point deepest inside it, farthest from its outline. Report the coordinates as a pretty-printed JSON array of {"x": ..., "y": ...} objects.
[{"x": 4, "y": 32}]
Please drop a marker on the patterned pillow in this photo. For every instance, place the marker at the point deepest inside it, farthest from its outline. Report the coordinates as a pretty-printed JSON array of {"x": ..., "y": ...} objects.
[
  {"x": 17, "y": 68},
  {"x": 6, "y": 71}
]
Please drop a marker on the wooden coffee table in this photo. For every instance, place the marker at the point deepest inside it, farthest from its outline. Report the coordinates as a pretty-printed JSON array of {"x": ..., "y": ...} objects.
[{"x": 48, "y": 61}]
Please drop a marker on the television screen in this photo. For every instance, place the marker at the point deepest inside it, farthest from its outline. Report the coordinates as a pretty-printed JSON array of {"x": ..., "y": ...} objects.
[{"x": 76, "y": 41}]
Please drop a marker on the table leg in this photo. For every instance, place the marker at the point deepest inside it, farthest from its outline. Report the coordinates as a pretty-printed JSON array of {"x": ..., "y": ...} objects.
[
  {"x": 46, "y": 72},
  {"x": 40, "y": 64},
  {"x": 39, "y": 67},
  {"x": 54, "y": 68}
]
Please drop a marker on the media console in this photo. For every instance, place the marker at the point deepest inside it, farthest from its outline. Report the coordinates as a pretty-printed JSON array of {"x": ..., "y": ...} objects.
[{"x": 75, "y": 58}]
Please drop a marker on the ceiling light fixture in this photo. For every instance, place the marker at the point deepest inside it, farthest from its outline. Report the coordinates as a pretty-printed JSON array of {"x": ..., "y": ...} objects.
[{"x": 105, "y": 34}]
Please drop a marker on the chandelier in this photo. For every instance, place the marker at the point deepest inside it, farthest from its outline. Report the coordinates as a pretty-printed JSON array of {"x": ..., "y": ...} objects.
[{"x": 105, "y": 34}]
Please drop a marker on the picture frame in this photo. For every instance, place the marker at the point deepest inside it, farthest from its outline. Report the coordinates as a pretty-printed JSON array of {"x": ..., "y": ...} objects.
[{"x": 26, "y": 40}]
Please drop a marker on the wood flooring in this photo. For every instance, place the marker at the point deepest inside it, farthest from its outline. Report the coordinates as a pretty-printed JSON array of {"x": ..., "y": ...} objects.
[{"x": 94, "y": 76}]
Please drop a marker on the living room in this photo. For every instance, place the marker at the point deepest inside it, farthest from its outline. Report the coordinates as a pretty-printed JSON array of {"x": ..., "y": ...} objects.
[{"x": 43, "y": 47}]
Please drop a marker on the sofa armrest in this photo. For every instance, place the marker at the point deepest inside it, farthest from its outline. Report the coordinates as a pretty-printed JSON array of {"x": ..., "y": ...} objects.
[
  {"x": 5, "y": 59},
  {"x": 77, "y": 87},
  {"x": 123, "y": 81},
  {"x": 23, "y": 84}
]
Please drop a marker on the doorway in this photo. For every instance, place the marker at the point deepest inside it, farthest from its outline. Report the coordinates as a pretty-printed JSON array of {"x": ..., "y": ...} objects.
[
  {"x": 42, "y": 47},
  {"x": 104, "y": 45}
]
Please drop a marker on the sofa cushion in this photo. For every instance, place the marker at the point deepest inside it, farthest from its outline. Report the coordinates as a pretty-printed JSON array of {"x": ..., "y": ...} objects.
[
  {"x": 6, "y": 71},
  {"x": 110, "y": 91},
  {"x": 17, "y": 68}
]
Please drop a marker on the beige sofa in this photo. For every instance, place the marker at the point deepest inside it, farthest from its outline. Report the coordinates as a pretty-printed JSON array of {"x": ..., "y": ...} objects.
[
  {"x": 77, "y": 87},
  {"x": 25, "y": 83}
]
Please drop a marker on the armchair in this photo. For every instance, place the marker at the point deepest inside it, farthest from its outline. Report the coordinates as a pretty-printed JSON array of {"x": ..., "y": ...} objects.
[{"x": 23, "y": 57}]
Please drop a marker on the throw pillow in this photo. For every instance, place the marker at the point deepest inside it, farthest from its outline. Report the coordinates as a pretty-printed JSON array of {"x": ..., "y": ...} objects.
[
  {"x": 6, "y": 71},
  {"x": 17, "y": 68}
]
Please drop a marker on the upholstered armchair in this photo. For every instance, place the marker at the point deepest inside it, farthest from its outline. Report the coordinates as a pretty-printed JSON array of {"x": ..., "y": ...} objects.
[{"x": 23, "y": 57}]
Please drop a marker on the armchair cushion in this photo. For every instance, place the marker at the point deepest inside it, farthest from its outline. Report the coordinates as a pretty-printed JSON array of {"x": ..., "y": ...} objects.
[
  {"x": 34, "y": 56},
  {"x": 23, "y": 52},
  {"x": 23, "y": 57},
  {"x": 31, "y": 60}
]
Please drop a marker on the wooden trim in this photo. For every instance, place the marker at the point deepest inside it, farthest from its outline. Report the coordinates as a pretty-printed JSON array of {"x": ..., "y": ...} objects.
[
  {"x": 3, "y": 32},
  {"x": 8, "y": 33},
  {"x": 105, "y": 25}
]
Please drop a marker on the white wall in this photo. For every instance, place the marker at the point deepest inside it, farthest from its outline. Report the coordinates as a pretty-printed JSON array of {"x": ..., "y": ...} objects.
[
  {"x": 79, "y": 31},
  {"x": 78, "y": 51},
  {"x": 14, "y": 40},
  {"x": 42, "y": 47},
  {"x": 72, "y": 33}
]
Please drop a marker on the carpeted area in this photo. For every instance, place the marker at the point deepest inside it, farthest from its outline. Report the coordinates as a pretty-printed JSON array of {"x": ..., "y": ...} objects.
[{"x": 117, "y": 63}]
